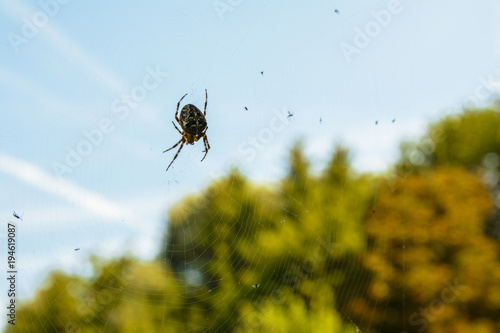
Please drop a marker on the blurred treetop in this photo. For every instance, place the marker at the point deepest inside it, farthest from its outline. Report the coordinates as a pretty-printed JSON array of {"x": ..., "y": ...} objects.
[{"x": 411, "y": 250}]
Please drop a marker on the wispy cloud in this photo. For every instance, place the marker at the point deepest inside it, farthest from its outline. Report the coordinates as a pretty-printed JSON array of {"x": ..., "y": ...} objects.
[
  {"x": 91, "y": 201},
  {"x": 13, "y": 80},
  {"x": 64, "y": 44},
  {"x": 82, "y": 58}
]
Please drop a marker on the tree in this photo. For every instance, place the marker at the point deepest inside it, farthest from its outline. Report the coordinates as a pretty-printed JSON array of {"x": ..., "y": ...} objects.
[
  {"x": 124, "y": 296},
  {"x": 313, "y": 252},
  {"x": 462, "y": 140},
  {"x": 429, "y": 262},
  {"x": 248, "y": 245},
  {"x": 470, "y": 140}
]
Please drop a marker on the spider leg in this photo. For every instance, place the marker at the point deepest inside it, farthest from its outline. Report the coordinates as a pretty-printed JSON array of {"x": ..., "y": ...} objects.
[
  {"x": 177, "y": 129},
  {"x": 203, "y": 133},
  {"x": 176, "y": 111},
  {"x": 175, "y": 145},
  {"x": 183, "y": 141},
  {"x": 207, "y": 146},
  {"x": 206, "y": 99}
]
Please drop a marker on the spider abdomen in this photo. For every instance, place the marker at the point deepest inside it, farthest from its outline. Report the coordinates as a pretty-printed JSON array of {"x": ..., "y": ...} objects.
[{"x": 192, "y": 120}]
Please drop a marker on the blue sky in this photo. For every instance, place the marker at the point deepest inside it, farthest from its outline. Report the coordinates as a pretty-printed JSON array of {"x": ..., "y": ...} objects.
[{"x": 102, "y": 80}]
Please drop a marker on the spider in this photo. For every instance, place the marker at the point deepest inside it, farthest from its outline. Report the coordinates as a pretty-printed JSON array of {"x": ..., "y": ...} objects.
[{"x": 194, "y": 126}]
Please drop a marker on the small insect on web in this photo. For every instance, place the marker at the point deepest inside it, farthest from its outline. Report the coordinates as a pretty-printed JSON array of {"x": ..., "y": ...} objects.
[{"x": 194, "y": 126}]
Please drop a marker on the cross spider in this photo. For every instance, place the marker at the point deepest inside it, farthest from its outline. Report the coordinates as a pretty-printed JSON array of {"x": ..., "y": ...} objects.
[{"x": 194, "y": 126}]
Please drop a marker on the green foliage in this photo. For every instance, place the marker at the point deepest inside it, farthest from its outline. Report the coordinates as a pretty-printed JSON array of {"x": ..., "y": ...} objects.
[
  {"x": 125, "y": 296},
  {"x": 54, "y": 308},
  {"x": 291, "y": 236},
  {"x": 464, "y": 140},
  {"x": 290, "y": 313},
  {"x": 312, "y": 253}
]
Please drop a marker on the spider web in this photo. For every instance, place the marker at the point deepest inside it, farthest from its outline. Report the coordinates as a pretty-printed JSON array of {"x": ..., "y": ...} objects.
[
  {"x": 202, "y": 279},
  {"x": 267, "y": 90}
]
